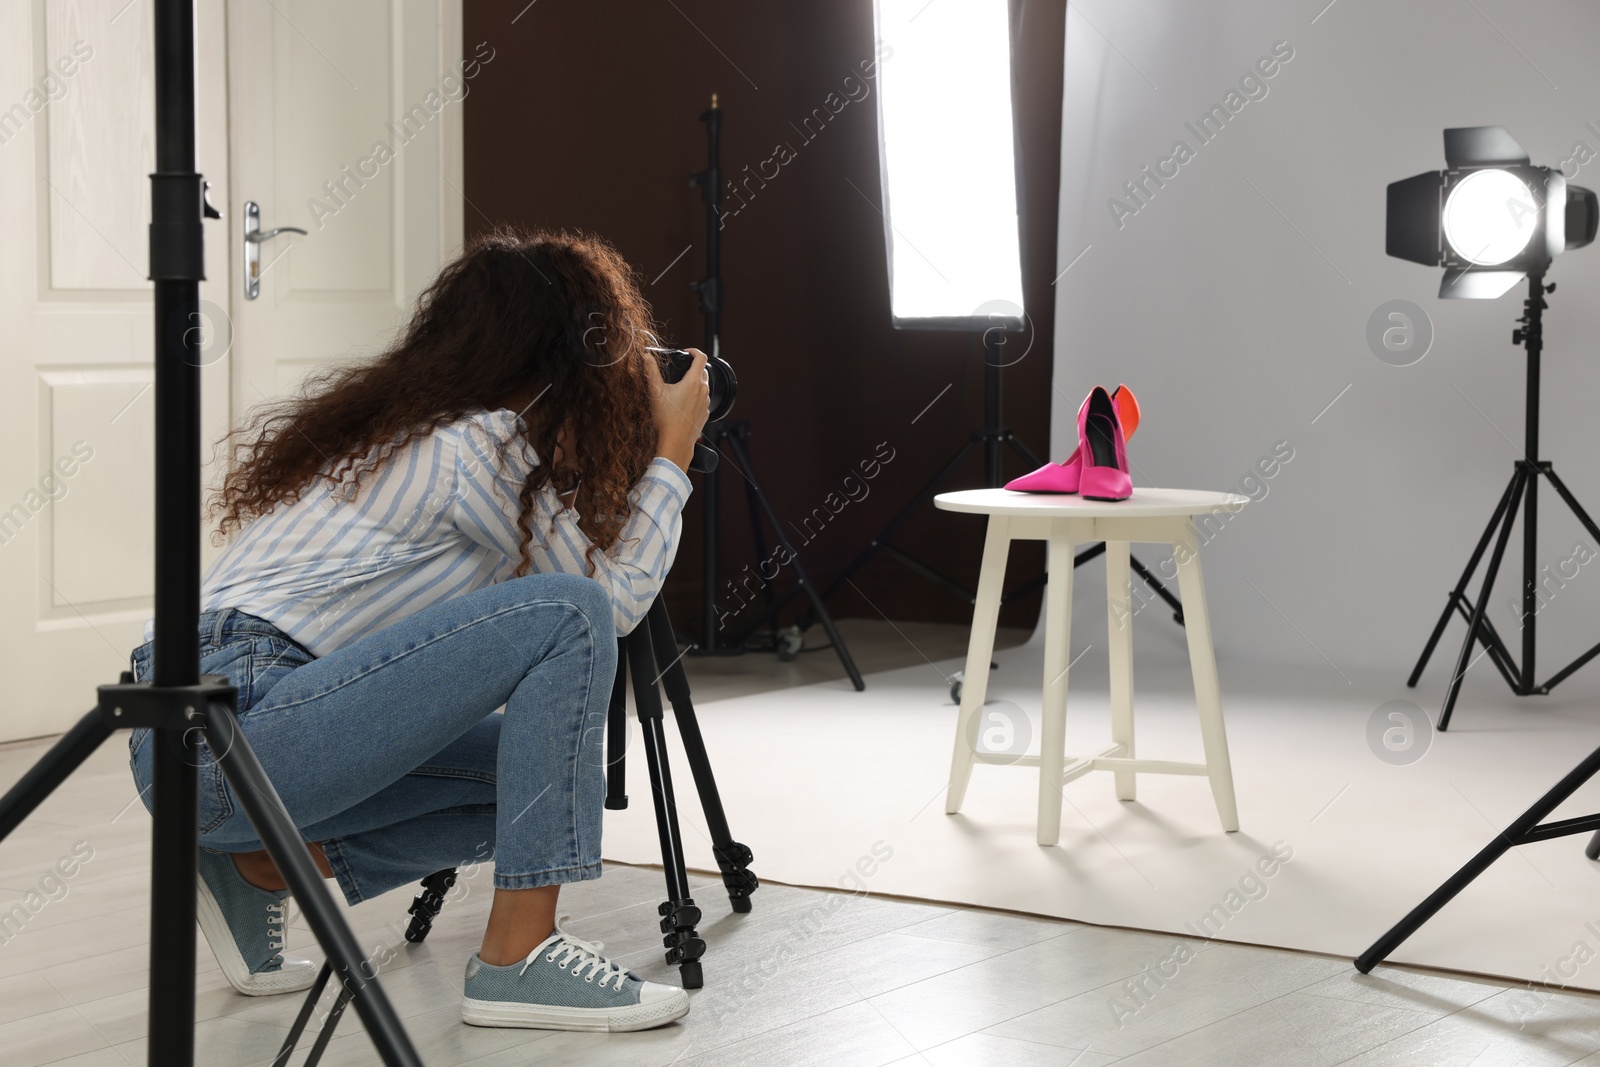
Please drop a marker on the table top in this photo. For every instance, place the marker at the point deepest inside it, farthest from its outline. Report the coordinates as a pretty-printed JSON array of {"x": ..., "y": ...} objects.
[{"x": 1143, "y": 504}]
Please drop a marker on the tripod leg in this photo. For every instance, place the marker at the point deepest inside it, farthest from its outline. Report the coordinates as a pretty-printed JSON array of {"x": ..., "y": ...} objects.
[
  {"x": 1515, "y": 834},
  {"x": 679, "y": 915},
  {"x": 53, "y": 768},
  {"x": 802, "y": 576},
  {"x": 282, "y": 840},
  {"x": 617, "y": 735},
  {"x": 1478, "y": 609},
  {"x": 1459, "y": 593},
  {"x": 733, "y": 858},
  {"x": 1572, "y": 502},
  {"x": 425, "y": 907}
]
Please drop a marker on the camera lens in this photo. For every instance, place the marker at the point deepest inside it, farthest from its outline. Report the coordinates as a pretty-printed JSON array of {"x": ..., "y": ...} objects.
[{"x": 675, "y": 363}]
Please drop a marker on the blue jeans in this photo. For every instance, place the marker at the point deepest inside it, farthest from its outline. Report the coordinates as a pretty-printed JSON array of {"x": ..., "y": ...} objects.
[{"x": 389, "y": 750}]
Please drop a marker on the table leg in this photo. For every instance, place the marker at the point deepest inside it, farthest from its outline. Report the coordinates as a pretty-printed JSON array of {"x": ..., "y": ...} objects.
[
  {"x": 980, "y": 647},
  {"x": 1057, "y": 656},
  {"x": 1207, "y": 692},
  {"x": 1119, "y": 636}
]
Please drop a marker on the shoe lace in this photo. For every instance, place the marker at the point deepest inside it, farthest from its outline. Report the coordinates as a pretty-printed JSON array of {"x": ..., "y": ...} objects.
[
  {"x": 276, "y": 921},
  {"x": 566, "y": 950}
]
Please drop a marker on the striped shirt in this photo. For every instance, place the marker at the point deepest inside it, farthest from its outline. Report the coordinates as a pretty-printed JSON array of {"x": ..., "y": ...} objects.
[{"x": 437, "y": 519}]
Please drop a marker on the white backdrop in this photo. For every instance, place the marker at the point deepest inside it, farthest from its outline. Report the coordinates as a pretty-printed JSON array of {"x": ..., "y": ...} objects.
[{"x": 1235, "y": 302}]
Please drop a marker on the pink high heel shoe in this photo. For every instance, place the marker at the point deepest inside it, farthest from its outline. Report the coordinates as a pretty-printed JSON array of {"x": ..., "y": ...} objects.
[
  {"x": 1102, "y": 449},
  {"x": 1064, "y": 477}
]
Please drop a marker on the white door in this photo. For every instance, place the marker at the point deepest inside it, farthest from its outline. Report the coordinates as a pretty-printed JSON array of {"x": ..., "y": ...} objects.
[
  {"x": 291, "y": 92},
  {"x": 316, "y": 89},
  {"x": 77, "y": 102}
]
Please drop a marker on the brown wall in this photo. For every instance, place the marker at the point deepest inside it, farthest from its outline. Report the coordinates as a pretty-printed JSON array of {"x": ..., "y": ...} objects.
[{"x": 586, "y": 118}]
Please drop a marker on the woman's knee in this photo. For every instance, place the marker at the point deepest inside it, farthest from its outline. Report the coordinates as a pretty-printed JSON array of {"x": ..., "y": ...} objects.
[{"x": 587, "y": 596}]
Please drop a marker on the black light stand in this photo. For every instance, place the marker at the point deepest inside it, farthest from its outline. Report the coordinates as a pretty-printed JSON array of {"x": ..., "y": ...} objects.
[
  {"x": 734, "y": 434},
  {"x": 637, "y": 656},
  {"x": 178, "y": 703},
  {"x": 1522, "y": 491}
]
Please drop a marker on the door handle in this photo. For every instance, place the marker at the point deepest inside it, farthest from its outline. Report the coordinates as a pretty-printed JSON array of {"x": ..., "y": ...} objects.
[{"x": 253, "y": 236}]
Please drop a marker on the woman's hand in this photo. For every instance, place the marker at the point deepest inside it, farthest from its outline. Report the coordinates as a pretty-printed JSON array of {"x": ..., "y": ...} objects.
[{"x": 681, "y": 409}]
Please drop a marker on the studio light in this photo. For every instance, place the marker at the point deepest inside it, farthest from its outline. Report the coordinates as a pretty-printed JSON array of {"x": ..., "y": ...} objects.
[
  {"x": 1490, "y": 218},
  {"x": 948, "y": 164}
]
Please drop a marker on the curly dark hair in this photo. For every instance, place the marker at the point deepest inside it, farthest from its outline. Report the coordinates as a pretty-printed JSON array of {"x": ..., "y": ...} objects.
[{"x": 550, "y": 322}]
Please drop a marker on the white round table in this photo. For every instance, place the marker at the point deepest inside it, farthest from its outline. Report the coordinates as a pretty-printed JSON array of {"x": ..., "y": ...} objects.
[{"x": 1182, "y": 518}]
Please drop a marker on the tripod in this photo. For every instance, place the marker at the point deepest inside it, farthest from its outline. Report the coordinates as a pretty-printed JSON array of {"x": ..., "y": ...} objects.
[
  {"x": 179, "y": 705},
  {"x": 1521, "y": 492},
  {"x": 736, "y": 435},
  {"x": 637, "y": 657}
]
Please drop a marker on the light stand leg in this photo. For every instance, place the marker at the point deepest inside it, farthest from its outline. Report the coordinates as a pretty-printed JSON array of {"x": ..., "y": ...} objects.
[
  {"x": 1594, "y": 531},
  {"x": 993, "y": 343},
  {"x": 282, "y": 841},
  {"x": 881, "y": 542},
  {"x": 53, "y": 768},
  {"x": 1525, "y": 830},
  {"x": 1479, "y": 609},
  {"x": 1459, "y": 593},
  {"x": 802, "y": 575}
]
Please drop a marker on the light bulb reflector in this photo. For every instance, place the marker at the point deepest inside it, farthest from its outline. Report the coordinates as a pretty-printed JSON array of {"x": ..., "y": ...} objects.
[{"x": 1489, "y": 217}]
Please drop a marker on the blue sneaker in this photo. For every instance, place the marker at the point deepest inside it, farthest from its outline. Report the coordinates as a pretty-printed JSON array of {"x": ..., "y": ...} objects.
[
  {"x": 565, "y": 984},
  {"x": 245, "y": 927}
]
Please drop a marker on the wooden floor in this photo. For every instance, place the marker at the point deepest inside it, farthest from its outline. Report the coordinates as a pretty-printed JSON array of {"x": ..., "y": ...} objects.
[{"x": 809, "y": 977}]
